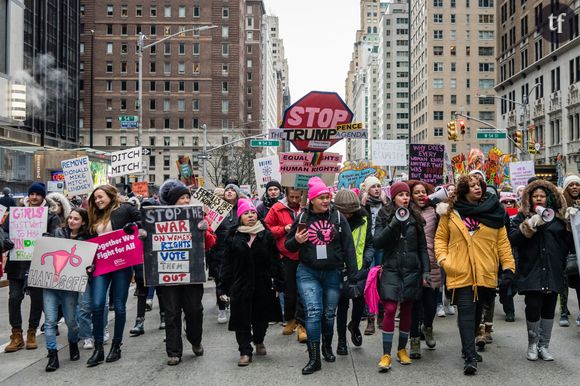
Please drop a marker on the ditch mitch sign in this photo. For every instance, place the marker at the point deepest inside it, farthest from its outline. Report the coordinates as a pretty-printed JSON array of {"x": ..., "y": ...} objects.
[{"x": 174, "y": 246}]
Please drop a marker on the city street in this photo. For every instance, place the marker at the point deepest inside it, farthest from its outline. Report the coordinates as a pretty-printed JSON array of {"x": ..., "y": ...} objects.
[{"x": 144, "y": 358}]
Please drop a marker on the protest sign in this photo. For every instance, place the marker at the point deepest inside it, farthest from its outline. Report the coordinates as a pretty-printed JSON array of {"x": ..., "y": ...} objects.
[
  {"x": 389, "y": 152},
  {"x": 353, "y": 174},
  {"x": 2, "y": 213},
  {"x": 215, "y": 208},
  {"x": 61, "y": 264},
  {"x": 185, "y": 170},
  {"x": 297, "y": 168},
  {"x": 126, "y": 162},
  {"x": 140, "y": 188},
  {"x": 77, "y": 175},
  {"x": 426, "y": 163},
  {"x": 520, "y": 172},
  {"x": 26, "y": 225},
  {"x": 575, "y": 226},
  {"x": 174, "y": 245},
  {"x": 266, "y": 169},
  {"x": 117, "y": 250}
]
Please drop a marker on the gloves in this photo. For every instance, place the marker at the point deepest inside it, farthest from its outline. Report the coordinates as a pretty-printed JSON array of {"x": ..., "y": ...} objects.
[
  {"x": 90, "y": 269},
  {"x": 507, "y": 277},
  {"x": 427, "y": 278},
  {"x": 535, "y": 221},
  {"x": 8, "y": 245},
  {"x": 203, "y": 225},
  {"x": 128, "y": 228},
  {"x": 394, "y": 223},
  {"x": 142, "y": 234},
  {"x": 353, "y": 291}
]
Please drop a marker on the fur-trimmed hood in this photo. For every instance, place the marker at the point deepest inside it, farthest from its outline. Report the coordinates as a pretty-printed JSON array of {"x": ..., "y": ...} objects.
[
  {"x": 53, "y": 198},
  {"x": 559, "y": 205}
]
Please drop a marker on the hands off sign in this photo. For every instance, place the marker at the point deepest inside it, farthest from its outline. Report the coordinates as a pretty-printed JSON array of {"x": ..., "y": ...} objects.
[
  {"x": 216, "y": 208},
  {"x": 77, "y": 175},
  {"x": 126, "y": 162},
  {"x": 26, "y": 225},
  {"x": 117, "y": 250},
  {"x": 175, "y": 247}
]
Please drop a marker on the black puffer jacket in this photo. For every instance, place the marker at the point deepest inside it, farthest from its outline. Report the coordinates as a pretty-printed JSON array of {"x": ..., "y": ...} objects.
[
  {"x": 541, "y": 253},
  {"x": 405, "y": 256},
  {"x": 125, "y": 214}
]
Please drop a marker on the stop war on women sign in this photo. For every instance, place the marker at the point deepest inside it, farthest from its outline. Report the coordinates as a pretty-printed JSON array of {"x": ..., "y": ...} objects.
[
  {"x": 117, "y": 250},
  {"x": 174, "y": 245}
]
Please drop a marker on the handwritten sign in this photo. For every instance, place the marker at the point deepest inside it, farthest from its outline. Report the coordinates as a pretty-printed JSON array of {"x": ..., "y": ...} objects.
[
  {"x": 61, "y": 264},
  {"x": 126, "y": 162},
  {"x": 389, "y": 152},
  {"x": 174, "y": 245},
  {"x": 215, "y": 208},
  {"x": 266, "y": 169},
  {"x": 117, "y": 250},
  {"x": 575, "y": 226},
  {"x": 520, "y": 172},
  {"x": 353, "y": 173},
  {"x": 77, "y": 175},
  {"x": 426, "y": 163},
  {"x": 297, "y": 168},
  {"x": 26, "y": 225},
  {"x": 140, "y": 188}
]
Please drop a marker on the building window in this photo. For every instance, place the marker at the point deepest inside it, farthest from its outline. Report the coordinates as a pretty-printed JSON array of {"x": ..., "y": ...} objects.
[
  {"x": 225, "y": 49},
  {"x": 123, "y": 85},
  {"x": 109, "y": 10},
  {"x": 195, "y": 86},
  {"x": 486, "y": 84},
  {"x": 152, "y": 104},
  {"x": 438, "y": 50},
  {"x": 438, "y": 3},
  {"x": 225, "y": 69},
  {"x": 109, "y": 141},
  {"x": 196, "y": 11},
  {"x": 225, "y": 106},
  {"x": 438, "y": 115},
  {"x": 438, "y": 34},
  {"x": 181, "y": 123},
  {"x": 225, "y": 87},
  {"x": 109, "y": 123},
  {"x": 167, "y": 11},
  {"x": 181, "y": 67},
  {"x": 123, "y": 104},
  {"x": 438, "y": 132},
  {"x": 196, "y": 68},
  {"x": 166, "y": 105},
  {"x": 153, "y": 11},
  {"x": 181, "y": 140},
  {"x": 109, "y": 48},
  {"x": 166, "y": 162},
  {"x": 152, "y": 86},
  {"x": 438, "y": 67},
  {"x": 438, "y": 83},
  {"x": 225, "y": 12},
  {"x": 124, "y": 11},
  {"x": 123, "y": 141},
  {"x": 109, "y": 66},
  {"x": 109, "y": 29},
  {"x": 167, "y": 123},
  {"x": 181, "y": 12},
  {"x": 196, "y": 48},
  {"x": 485, "y": 3},
  {"x": 181, "y": 105},
  {"x": 225, "y": 32},
  {"x": 167, "y": 68},
  {"x": 195, "y": 123},
  {"x": 485, "y": 35},
  {"x": 139, "y": 11}
]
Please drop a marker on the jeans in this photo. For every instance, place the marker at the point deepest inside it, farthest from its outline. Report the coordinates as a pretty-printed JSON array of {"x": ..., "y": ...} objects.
[
  {"x": 85, "y": 314},
  {"x": 68, "y": 300},
  {"x": 424, "y": 311},
  {"x": 540, "y": 305},
  {"x": 320, "y": 291},
  {"x": 15, "y": 297},
  {"x": 119, "y": 281},
  {"x": 358, "y": 306},
  {"x": 245, "y": 338},
  {"x": 293, "y": 308}
]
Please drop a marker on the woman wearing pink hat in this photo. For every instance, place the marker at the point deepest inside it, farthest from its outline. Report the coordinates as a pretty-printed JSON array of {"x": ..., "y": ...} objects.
[{"x": 323, "y": 240}]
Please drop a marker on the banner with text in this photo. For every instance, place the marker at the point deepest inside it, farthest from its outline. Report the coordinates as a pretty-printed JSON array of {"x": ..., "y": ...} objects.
[
  {"x": 174, "y": 245},
  {"x": 26, "y": 225},
  {"x": 520, "y": 172},
  {"x": 215, "y": 208},
  {"x": 389, "y": 152},
  {"x": 297, "y": 168},
  {"x": 126, "y": 162},
  {"x": 140, "y": 188},
  {"x": 117, "y": 250},
  {"x": 353, "y": 173},
  {"x": 61, "y": 267},
  {"x": 266, "y": 169},
  {"x": 77, "y": 175},
  {"x": 426, "y": 163}
]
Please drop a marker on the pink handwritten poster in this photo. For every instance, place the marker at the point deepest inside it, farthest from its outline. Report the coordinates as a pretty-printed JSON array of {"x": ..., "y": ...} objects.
[
  {"x": 26, "y": 225},
  {"x": 117, "y": 250}
]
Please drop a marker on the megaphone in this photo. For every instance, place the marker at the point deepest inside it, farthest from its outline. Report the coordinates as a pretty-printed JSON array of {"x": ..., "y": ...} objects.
[
  {"x": 402, "y": 214},
  {"x": 440, "y": 194},
  {"x": 546, "y": 214}
]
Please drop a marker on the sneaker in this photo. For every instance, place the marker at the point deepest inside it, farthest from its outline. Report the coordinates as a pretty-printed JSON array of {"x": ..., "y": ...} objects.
[
  {"x": 564, "y": 322},
  {"x": 222, "y": 317},
  {"x": 470, "y": 366},
  {"x": 106, "y": 336},
  {"x": 545, "y": 354},
  {"x": 440, "y": 311},
  {"x": 89, "y": 344},
  {"x": 403, "y": 357},
  {"x": 385, "y": 363},
  {"x": 173, "y": 361},
  {"x": 450, "y": 310}
]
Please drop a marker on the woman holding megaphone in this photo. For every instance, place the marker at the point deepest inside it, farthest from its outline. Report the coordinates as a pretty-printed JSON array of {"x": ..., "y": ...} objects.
[{"x": 542, "y": 247}]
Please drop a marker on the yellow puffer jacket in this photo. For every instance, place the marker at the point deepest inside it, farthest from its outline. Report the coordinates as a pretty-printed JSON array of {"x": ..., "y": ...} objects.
[{"x": 471, "y": 260}]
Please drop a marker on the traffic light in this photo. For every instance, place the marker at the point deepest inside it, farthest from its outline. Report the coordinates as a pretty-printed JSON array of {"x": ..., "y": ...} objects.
[
  {"x": 519, "y": 139},
  {"x": 451, "y": 131},
  {"x": 462, "y": 127},
  {"x": 532, "y": 147}
]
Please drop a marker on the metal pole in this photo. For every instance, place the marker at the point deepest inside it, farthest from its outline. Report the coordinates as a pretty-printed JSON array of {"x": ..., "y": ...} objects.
[
  {"x": 91, "y": 132},
  {"x": 204, "y": 127},
  {"x": 140, "y": 85}
]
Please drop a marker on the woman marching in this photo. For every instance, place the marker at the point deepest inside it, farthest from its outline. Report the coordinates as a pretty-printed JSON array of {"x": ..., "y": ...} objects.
[
  {"x": 470, "y": 244},
  {"x": 405, "y": 268},
  {"x": 323, "y": 240},
  {"x": 107, "y": 213},
  {"x": 251, "y": 278},
  {"x": 76, "y": 228},
  {"x": 542, "y": 248}
]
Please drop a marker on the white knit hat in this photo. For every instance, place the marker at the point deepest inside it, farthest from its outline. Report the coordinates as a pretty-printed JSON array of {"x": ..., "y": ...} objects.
[
  {"x": 370, "y": 181},
  {"x": 571, "y": 178}
]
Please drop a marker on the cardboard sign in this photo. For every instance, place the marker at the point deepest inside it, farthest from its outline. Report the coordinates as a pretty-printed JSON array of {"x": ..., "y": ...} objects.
[
  {"x": 61, "y": 264},
  {"x": 26, "y": 225},
  {"x": 389, "y": 152},
  {"x": 174, "y": 245},
  {"x": 126, "y": 162},
  {"x": 426, "y": 163},
  {"x": 575, "y": 225},
  {"x": 266, "y": 169},
  {"x": 520, "y": 172},
  {"x": 140, "y": 188},
  {"x": 117, "y": 250},
  {"x": 353, "y": 174},
  {"x": 297, "y": 168},
  {"x": 216, "y": 209},
  {"x": 77, "y": 175}
]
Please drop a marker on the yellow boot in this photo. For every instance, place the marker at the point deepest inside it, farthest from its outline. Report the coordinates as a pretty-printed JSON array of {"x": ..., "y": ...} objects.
[
  {"x": 403, "y": 357},
  {"x": 301, "y": 334},
  {"x": 385, "y": 363},
  {"x": 31, "y": 339},
  {"x": 289, "y": 327},
  {"x": 16, "y": 341}
]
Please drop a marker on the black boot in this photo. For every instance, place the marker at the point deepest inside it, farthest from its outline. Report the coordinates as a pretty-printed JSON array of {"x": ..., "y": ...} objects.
[
  {"x": 74, "y": 351},
  {"x": 115, "y": 353},
  {"x": 139, "y": 328},
  {"x": 52, "y": 361},
  {"x": 98, "y": 355},
  {"x": 314, "y": 358},
  {"x": 341, "y": 349},
  {"x": 327, "y": 349}
]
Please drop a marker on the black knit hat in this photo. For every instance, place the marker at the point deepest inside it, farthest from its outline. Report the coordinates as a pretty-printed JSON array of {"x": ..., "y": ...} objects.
[
  {"x": 273, "y": 183},
  {"x": 37, "y": 187},
  {"x": 171, "y": 191}
]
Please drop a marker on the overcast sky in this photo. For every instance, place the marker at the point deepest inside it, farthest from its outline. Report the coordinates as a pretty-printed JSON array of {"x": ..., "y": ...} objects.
[{"x": 318, "y": 40}]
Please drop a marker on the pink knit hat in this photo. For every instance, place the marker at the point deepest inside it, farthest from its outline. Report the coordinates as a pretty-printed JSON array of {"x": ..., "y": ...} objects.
[
  {"x": 244, "y": 206},
  {"x": 317, "y": 187}
]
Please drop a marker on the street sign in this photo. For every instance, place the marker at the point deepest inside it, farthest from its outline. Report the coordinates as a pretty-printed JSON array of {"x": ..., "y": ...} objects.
[
  {"x": 128, "y": 118},
  {"x": 201, "y": 156},
  {"x": 264, "y": 142},
  {"x": 491, "y": 135},
  {"x": 145, "y": 151},
  {"x": 129, "y": 125}
]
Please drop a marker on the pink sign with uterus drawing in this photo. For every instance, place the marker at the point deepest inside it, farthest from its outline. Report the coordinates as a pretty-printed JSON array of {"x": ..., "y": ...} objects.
[{"x": 61, "y": 264}]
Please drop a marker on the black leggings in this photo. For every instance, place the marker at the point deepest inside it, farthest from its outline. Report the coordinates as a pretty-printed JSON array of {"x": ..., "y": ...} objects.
[
  {"x": 358, "y": 306},
  {"x": 424, "y": 311},
  {"x": 540, "y": 305}
]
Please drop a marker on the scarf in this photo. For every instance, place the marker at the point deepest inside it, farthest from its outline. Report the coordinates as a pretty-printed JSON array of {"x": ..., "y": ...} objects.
[
  {"x": 489, "y": 212},
  {"x": 257, "y": 228},
  {"x": 374, "y": 201}
]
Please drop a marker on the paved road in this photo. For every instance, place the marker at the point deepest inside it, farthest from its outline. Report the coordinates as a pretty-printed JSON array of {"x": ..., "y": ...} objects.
[{"x": 144, "y": 357}]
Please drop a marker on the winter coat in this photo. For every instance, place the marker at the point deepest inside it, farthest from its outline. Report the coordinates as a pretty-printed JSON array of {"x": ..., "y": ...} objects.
[
  {"x": 64, "y": 233},
  {"x": 431, "y": 221},
  {"x": 470, "y": 260},
  {"x": 251, "y": 276},
  {"x": 362, "y": 237},
  {"x": 405, "y": 256},
  {"x": 52, "y": 199},
  {"x": 126, "y": 213},
  {"x": 328, "y": 233},
  {"x": 541, "y": 252},
  {"x": 7, "y": 201},
  {"x": 17, "y": 270},
  {"x": 216, "y": 256},
  {"x": 277, "y": 218}
]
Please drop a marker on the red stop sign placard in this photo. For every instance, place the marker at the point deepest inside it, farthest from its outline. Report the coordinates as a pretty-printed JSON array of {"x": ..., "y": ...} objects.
[{"x": 316, "y": 110}]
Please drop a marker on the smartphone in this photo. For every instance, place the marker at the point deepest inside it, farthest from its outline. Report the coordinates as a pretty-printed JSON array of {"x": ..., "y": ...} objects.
[{"x": 301, "y": 227}]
